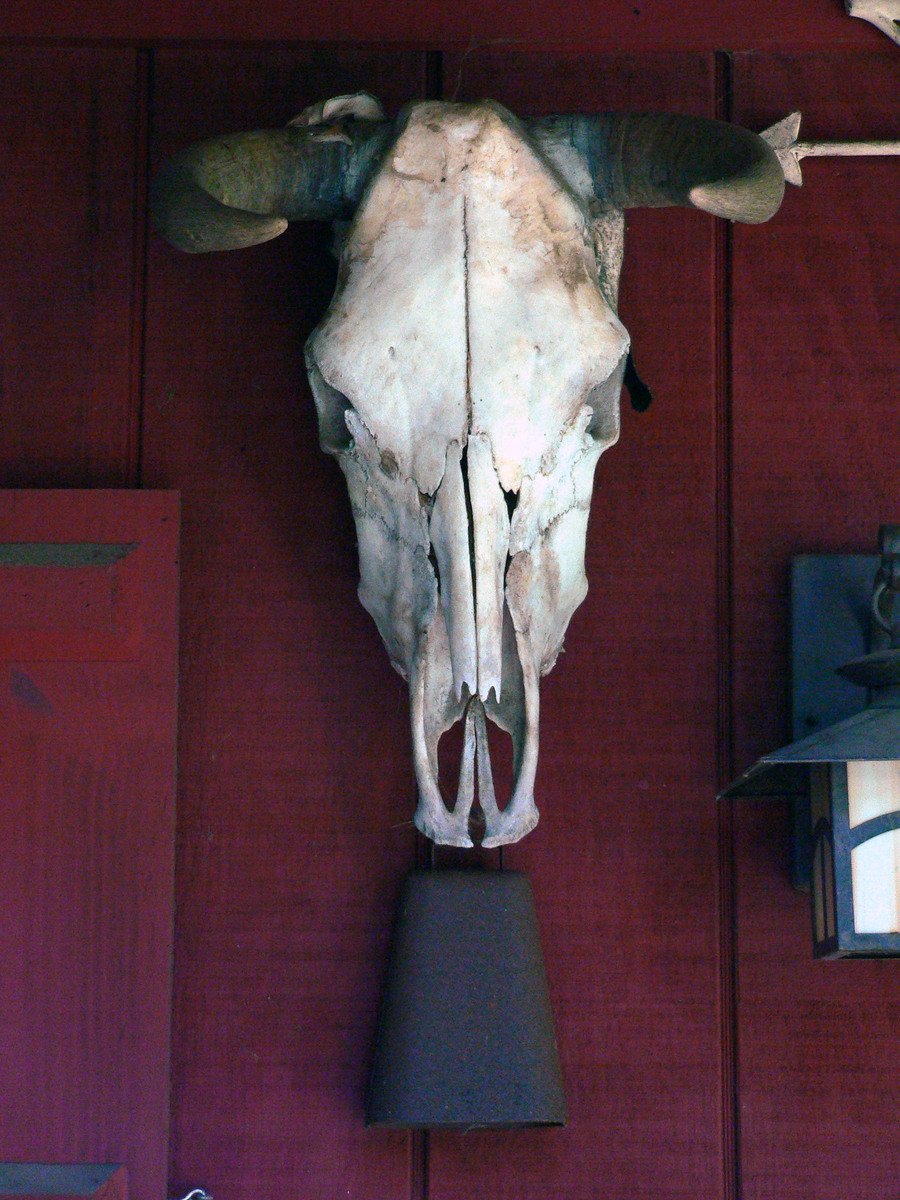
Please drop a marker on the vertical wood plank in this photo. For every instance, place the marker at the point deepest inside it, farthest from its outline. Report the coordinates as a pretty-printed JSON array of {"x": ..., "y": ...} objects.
[
  {"x": 815, "y": 469},
  {"x": 296, "y": 787},
  {"x": 67, "y": 162},
  {"x": 623, "y": 861},
  {"x": 87, "y": 776}
]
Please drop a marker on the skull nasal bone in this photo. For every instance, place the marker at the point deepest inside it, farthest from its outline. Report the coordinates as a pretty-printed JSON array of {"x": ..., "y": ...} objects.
[{"x": 470, "y": 535}]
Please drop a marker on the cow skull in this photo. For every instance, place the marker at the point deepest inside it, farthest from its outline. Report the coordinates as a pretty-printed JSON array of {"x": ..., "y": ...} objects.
[{"x": 467, "y": 372}]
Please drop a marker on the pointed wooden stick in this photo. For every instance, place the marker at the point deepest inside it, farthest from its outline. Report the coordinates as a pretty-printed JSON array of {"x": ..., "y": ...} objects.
[{"x": 782, "y": 137}]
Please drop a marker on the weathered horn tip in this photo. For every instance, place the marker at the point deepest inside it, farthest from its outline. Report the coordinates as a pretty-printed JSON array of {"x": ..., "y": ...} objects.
[
  {"x": 751, "y": 205},
  {"x": 240, "y": 232},
  {"x": 194, "y": 221},
  {"x": 751, "y": 195}
]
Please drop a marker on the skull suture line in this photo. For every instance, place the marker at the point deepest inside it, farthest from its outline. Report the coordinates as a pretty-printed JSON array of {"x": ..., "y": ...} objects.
[{"x": 467, "y": 373}]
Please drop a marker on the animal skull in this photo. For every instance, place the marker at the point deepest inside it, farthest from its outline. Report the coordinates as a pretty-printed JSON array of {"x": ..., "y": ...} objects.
[{"x": 467, "y": 373}]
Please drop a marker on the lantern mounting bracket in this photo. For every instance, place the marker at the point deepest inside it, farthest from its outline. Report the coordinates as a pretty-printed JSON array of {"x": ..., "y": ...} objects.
[
  {"x": 831, "y": 603},
  {"x": 842, "y": 773}
]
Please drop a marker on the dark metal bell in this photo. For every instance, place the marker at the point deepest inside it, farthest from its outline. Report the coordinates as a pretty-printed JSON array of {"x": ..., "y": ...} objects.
[{"x": 465, "y": 1036}]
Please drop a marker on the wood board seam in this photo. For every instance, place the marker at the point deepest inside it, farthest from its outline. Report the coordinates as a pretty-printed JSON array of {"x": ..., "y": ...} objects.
[
  {"x": 727, "y": 934},
  {"x": 134, "y": 446}
]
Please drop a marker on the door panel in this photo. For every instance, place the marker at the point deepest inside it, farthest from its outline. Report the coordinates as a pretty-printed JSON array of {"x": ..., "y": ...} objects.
[{"x": 88, "y": 656}]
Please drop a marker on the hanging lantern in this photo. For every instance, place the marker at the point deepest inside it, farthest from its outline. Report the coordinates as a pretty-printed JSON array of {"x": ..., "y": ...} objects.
[{"x": 850, "y": 774}]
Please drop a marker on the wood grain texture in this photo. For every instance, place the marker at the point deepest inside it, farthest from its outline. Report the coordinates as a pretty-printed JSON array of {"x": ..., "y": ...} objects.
[
  {"x": 87, "y": 776},
  {"x": 67, "y": 214},
  {"x": 623, "y": 861},
  {"x": 296, "y": 790},
  {"x": 614, "y": 26},
  {"x": 816, "y": 468}
]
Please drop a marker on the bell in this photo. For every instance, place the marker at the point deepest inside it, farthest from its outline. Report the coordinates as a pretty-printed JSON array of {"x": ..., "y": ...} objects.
[{"x": 465, "y": 1035}]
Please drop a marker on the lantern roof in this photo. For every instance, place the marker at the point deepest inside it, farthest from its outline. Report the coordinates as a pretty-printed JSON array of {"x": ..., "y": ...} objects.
[{"x": 869, "y": 736}]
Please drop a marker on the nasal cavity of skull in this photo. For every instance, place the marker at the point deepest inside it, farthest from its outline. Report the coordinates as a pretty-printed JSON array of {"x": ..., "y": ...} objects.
[
  {"x": 432, "y": 558},
  {"x": 450, "y": 757},
  {"x": 512, "y": 499}
]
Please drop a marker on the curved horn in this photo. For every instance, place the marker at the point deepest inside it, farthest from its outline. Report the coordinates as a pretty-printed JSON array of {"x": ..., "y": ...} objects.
[
  {"x": 656, "y": 159},
  {"x": 244, "y": 188}
]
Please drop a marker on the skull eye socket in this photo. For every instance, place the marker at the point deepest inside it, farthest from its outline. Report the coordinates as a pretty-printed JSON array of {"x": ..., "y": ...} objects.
[
  {"x": 604, "y": 423},
  {"x": 603, "y": 401},
  {"x": 332, "y": 407}
]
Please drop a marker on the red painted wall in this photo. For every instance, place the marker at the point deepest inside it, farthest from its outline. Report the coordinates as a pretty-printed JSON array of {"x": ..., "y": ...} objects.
[
  {"x": 705, "y": 1055},
  {"x": 611, "y": 27}
]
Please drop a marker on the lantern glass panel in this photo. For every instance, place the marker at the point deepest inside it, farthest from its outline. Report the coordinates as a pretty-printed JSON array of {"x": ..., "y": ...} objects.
[
  {"x": 876, "y": 884},
  {"x": 873, "y": 790}
]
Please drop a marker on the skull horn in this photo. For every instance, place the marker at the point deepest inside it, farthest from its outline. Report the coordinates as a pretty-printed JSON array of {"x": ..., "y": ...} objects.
[
  {"x": 242, "y": 189},
  {"x": 651, "y": 160}
]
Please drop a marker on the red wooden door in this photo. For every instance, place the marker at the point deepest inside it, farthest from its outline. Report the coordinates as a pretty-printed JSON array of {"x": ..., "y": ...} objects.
[{"x": 88, "y": 649}]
